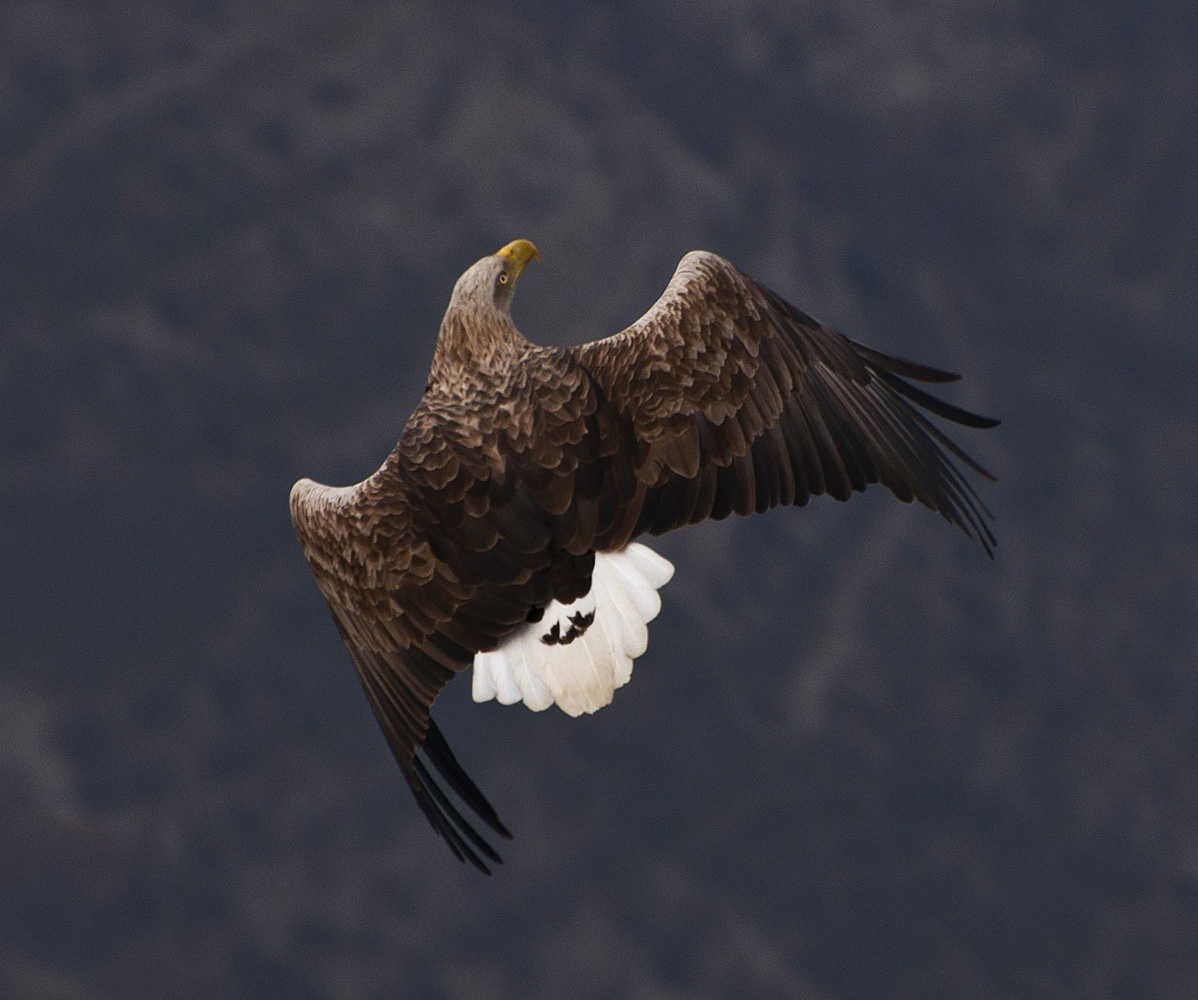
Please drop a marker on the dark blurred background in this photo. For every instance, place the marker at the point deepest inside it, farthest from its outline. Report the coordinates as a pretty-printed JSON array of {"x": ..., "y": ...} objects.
[{"x": 860, "y": 760}]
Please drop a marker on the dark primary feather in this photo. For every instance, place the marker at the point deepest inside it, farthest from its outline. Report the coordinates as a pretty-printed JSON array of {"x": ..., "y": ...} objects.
[{"x": 516, "y": 468}]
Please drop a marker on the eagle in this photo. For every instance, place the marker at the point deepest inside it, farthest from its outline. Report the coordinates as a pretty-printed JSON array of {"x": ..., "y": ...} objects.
[{"x": 501, "y": 532}]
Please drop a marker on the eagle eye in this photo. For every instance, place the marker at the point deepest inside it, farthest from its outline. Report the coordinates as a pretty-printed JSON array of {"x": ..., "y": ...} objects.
[{"x": 503, "y": 277}]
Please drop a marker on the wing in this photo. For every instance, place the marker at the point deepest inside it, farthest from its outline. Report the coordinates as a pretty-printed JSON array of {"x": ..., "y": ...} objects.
[
  {"x": 470, "y": 525},
  {"x": 740, "y": 402},
  {"x": 386, "y": 589}
]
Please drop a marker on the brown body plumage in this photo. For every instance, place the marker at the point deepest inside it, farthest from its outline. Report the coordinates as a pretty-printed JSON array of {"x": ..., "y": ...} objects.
[{"x": 521, "y": 462}]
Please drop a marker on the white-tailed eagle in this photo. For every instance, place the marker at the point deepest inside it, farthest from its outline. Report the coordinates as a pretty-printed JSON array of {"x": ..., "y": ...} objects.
[{"x": 501, "y": 530}]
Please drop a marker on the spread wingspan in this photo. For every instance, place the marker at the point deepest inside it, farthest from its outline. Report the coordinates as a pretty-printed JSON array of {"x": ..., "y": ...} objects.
[{"x": 500, "y": 531}]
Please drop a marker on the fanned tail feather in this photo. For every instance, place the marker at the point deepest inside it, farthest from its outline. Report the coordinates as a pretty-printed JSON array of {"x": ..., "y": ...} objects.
[{"x": 576, "y": 655}]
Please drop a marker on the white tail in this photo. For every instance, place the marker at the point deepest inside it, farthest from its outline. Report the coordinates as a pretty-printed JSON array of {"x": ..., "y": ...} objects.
[{"x": 578, "y": 654}]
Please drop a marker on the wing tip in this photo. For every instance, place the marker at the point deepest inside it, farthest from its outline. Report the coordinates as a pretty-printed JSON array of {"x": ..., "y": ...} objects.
[
  {"x": 437, "y": 749},
  {"x": 466, "y": 843}
]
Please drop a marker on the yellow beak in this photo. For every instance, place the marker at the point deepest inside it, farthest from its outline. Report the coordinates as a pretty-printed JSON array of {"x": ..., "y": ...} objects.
[{"x": 519, "y": 252}]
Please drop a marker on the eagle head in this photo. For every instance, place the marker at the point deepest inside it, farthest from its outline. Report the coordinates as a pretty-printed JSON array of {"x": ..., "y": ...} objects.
[
  {"x": 491, "y": 282},
  {"x": 477, "y": 333}
]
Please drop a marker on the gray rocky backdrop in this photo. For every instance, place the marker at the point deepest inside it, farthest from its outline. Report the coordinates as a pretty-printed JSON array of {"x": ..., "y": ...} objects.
[{"x": 859, "y": 760}]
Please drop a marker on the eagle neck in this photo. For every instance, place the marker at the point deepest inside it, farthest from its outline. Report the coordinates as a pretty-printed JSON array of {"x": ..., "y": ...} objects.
[{"x": 474, "y": 343}]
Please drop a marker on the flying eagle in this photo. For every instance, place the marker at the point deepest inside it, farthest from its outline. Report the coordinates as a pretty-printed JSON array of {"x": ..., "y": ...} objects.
[{"x": 500, "y": 531}]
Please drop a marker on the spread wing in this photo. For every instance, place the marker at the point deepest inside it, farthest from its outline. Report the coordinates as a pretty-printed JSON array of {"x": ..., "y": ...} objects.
[
  {"x": 740, "y": 402},
  {"x": 386, "y": 590},
  {"x": 465, "y": 531}
]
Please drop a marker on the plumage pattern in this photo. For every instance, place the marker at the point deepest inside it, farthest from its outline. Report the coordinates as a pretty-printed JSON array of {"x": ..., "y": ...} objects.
[{"x": 522, "y": 462}]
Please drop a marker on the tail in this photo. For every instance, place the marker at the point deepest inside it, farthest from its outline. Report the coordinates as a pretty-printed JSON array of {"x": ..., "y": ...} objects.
[{"x": 578, "y": 654}]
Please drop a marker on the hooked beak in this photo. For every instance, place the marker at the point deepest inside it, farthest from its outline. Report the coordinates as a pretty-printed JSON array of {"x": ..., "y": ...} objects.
[{"x": 519, "y": 252}]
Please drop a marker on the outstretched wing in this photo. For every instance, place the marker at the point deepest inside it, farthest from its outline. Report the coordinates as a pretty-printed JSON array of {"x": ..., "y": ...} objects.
[
  {"x": 466, "y": 529},
  {"x": 387, "y": 592},
  {"x": 740, "y": 402}
]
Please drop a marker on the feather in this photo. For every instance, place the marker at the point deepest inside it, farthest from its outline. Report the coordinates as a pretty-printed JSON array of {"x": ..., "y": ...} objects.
[{"x": 577, "y": 654}]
